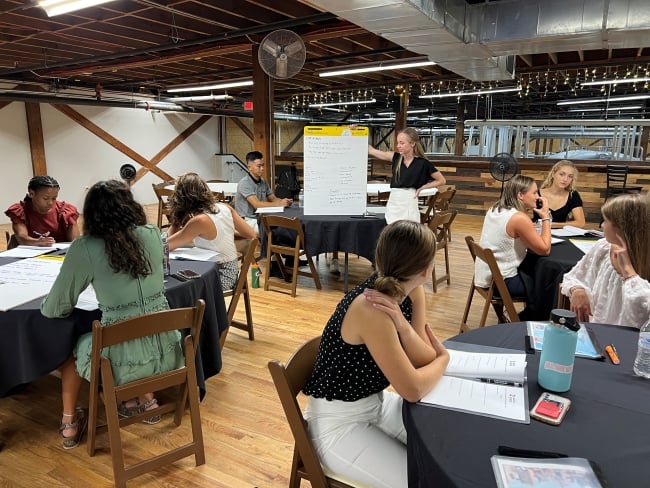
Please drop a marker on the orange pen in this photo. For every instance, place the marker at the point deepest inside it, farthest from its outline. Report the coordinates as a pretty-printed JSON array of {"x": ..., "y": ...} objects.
[{"x": 611, "y": 352}]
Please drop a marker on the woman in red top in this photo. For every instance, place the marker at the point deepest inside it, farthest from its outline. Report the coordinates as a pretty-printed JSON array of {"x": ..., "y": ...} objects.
[{"x": 41, "y": 220}]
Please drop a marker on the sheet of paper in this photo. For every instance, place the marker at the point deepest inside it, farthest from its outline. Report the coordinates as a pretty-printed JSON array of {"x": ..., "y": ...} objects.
[
  {"x": 568, "y": 231},
  {"x": 555, "y": 240},
  {"x": 584, "y": 245},
  {"x": 13, "y": 295},
  {"x": 376, "y": 210},
  {"x": 193, "y": 254},
  {"x": 508, "y": 402},
  {"x": 87, "y": 299},
  {"x": 266, "y": 210},
  {"x": 31, "y": 271},
  {"x": 506, "y": 367}
]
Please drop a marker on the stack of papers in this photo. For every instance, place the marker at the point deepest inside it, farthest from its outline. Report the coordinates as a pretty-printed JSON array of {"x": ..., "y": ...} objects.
[
  {"x": 193, "y": 254},
  {"x": 33, "y": 251},
  {"x": 265, "y": 210},
  {"x": 571, "y": 231},
  {"x": 488, "y": 384}
]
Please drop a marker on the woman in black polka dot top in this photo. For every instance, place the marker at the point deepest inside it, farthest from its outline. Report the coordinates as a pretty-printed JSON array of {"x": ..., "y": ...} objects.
[{"x": 376, "y": 337}]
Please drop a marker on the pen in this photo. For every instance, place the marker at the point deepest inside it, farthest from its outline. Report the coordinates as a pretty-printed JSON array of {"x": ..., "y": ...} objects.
[
  {"x": 613, "y": 355},
  {"x": 41, "y": 235},
  {"x": 492, "y": 381}
]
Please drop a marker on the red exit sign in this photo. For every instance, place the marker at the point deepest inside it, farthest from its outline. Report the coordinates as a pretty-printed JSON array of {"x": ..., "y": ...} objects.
[{"x": 248, "y": 105}]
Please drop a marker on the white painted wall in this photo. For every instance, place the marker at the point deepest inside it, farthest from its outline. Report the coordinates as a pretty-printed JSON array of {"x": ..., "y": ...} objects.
[{"x": 78, "y": 159}]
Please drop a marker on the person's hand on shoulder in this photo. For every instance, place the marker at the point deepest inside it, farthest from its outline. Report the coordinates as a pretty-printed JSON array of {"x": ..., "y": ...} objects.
[{"x": 389, "y": 306}]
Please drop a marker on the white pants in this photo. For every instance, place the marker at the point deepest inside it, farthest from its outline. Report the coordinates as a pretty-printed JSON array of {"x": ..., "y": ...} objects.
[
  {"x": 363, "y": 441},
  {"x": 402, "y": 205}
]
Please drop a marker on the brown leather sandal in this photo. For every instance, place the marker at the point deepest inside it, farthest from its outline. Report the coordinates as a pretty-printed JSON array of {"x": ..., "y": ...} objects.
[{"x": 79, "y": 423}]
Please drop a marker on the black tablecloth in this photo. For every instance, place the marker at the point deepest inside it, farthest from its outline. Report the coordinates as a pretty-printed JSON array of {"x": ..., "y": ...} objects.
[
  {"x": 608, "y": 422},
  {"x": 33, "y": 345},
  {"x": 542, "y": 274},
  {"x": 331, "y": 233}
]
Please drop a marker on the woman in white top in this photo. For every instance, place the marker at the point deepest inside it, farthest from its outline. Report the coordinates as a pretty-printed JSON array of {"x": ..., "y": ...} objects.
[
  {"x": 509, "y": 232},
  {"x": 610, "y": 283},
  {"x": 196, "y": 219}
]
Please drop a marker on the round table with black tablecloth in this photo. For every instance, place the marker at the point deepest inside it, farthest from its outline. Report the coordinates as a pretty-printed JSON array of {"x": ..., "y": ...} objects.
[{"x": 608, "y": 422}]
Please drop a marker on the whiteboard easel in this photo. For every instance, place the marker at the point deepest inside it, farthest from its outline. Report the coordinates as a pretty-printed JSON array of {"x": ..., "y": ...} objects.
[{"x": 335, "y": 170}]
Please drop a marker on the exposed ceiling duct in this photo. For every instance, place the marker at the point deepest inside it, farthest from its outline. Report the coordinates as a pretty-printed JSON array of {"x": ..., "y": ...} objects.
[{"x": 478, "y": 42}]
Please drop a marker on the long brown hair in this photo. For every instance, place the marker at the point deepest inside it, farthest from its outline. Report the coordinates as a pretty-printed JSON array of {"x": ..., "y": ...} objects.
[
  {"x": 191, "y": 196},
  {"x": 630, "y": 214},
  {"x": 111, "y": 214}
]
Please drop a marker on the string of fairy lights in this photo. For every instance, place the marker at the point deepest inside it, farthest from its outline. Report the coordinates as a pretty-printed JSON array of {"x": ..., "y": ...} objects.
[{"x": 608, "y": 80}]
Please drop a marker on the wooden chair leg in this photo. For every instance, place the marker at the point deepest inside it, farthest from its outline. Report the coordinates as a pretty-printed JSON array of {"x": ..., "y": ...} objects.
[
  {"x": 468, "y": 305},
  {"x": 434, "y": 280}
]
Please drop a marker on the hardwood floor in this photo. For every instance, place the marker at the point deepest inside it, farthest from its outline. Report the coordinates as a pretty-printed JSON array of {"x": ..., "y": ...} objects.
[{"x": 248, "y": 442}]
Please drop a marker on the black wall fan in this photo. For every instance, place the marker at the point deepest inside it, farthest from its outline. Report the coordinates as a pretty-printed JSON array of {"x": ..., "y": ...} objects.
[{"x": 503, "y": 167}]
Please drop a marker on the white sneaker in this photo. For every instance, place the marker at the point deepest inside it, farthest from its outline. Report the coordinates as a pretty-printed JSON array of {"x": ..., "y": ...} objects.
[{"x": 334, "y": 266}]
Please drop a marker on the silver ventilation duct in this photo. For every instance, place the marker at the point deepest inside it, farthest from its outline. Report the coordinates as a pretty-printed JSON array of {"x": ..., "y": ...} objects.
[{"x": 478, "y": 42}]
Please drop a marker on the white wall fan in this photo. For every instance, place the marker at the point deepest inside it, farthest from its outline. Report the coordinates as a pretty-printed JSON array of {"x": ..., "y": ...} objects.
[{"x": 282, "y": 54}]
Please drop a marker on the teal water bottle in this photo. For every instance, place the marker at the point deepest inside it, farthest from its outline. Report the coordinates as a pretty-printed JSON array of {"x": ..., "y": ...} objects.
[{"x": 558, "y": 351}]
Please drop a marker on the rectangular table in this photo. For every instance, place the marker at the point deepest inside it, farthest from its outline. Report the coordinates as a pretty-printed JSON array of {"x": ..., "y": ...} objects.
[{"x": 33, "y": 345}]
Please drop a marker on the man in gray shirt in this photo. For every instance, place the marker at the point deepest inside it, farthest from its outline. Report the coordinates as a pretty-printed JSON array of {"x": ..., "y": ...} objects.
[{"x": 254, "y": 192}]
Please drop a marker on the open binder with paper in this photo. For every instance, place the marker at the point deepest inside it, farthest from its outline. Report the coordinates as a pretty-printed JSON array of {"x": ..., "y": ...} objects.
[{"x": 483, "y": 381}]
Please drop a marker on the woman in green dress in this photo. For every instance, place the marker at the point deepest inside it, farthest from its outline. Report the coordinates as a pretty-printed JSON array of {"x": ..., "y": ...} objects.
[{"x": 121, "y": 257}]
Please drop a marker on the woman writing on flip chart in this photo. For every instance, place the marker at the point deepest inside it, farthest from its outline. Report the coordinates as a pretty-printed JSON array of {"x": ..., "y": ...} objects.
[{"x": 411, "y": 173}]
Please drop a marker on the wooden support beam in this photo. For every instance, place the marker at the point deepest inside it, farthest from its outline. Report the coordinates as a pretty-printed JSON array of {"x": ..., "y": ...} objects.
[
  {"x": 4, "y": 104},
  {"x": 295, "y": 139},
  {"x": 36, "y": 143},
  {"x": 112, "y": 141},
  {"x": 173, "y": 144},
  {"x": 247, "y": 132},
  {"x": 527, "y": 58},
  {"x": 460, "y": 129},
  {"x": 263, "y": 113},
  {"x": 645, "y": 132}
]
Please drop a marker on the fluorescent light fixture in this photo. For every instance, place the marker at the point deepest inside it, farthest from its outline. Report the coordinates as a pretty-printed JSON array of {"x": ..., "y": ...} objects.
[
  {"x": 284, "y": 116},
  {"x": 218, "y": 86},
  {"x": 625, "y": 98},
  {"x": 338, "y": 104},
  {"x": 608, "y": 109},
  {"x": 58, "y": 7},
  {"x": 416, "y": 111},
  {"x": 384, "y": 66},
  {"x": 618, "y": 81},
  {"x": 477, "y": 92},
  {"x": 200, "y": 98}
]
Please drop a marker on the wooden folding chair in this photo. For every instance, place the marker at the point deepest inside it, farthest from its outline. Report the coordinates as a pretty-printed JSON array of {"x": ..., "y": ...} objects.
[
  {"x": 11, "y": 240},
  {"x": 289, "y": 380},
  {"x": 440, "y": 225},
  {"x": 438, "y": 202},
  {"x": 241, "y": 289},
  {"x": 112, "y": 395},
  {"x": 163, "y": 194},
  {"x": 503, "y": 300},
  {"x": 297, "y": 251}
]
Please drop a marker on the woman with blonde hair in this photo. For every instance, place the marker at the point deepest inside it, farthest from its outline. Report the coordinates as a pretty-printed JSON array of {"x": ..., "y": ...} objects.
[
  {"x": 564, "y": 201},
  {"x": 610, "y": 284},
  {"x": 198, "y": 220},
  {"x": 376, "y": 337},
  {"x": 412, "y": 173},
  {"x": 509, "y": 233}
]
